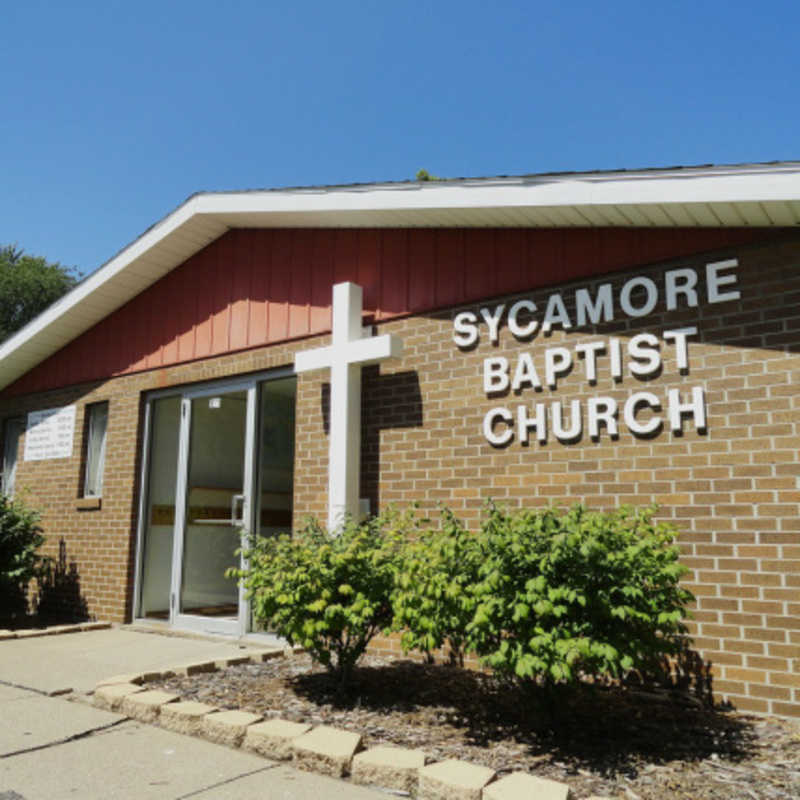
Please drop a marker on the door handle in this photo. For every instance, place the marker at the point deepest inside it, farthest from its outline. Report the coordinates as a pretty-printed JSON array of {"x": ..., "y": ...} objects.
[{"x": 235, "y": 519}]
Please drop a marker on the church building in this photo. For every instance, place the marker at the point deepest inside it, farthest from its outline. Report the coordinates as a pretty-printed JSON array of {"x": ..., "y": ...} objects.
[{"x": 257, "y": 357}]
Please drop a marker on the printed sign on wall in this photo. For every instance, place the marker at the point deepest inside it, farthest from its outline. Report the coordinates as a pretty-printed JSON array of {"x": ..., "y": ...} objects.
[{"x": 49, "y": 433}]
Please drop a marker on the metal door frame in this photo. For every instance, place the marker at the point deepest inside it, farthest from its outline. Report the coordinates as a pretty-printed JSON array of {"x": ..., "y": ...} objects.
[
  {"x": 251, "y": 384},
  {"x": 195, "y": 622}
]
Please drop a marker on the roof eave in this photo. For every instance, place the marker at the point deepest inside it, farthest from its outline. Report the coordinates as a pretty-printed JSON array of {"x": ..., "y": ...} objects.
[{"x": 749, "y": 195}]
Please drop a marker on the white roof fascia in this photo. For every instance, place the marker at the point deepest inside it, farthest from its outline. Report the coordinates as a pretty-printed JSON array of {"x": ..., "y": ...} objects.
[
  {"x": 748, "y": 189},
  {"x": 571, "y": 192}
]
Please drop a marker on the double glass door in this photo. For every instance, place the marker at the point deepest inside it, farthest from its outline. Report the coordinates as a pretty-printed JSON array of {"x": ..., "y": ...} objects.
[{"x": 219, "y": 468}]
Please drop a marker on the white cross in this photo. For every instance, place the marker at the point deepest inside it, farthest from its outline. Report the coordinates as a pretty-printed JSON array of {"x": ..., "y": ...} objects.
[{"x": 352, "y": 347}]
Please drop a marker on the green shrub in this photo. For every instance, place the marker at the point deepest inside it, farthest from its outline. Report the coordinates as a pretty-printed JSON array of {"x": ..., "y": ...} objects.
[
  {"x": 434, "y": 599},
  {"x": 566, "y": 594},
  {"x": 20, "y": 539},
  {"x": 327, "y": 593}
]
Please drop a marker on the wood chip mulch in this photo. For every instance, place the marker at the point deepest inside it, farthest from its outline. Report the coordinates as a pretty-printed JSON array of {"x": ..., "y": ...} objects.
[{"x": 619, "y": 742}]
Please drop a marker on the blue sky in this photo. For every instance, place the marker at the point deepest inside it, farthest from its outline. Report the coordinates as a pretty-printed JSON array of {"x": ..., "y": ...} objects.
[{"x": 115, "y": 112}]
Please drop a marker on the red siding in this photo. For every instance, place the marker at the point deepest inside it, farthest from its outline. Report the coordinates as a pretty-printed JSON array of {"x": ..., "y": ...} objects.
[{"x": 257, "y": 287}]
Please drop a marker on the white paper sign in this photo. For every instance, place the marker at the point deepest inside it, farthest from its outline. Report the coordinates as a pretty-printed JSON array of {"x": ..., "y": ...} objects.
[{"x": 49, "y": 433}]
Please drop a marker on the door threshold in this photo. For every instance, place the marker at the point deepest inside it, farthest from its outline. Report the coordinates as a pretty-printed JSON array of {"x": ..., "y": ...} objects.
[{"x": 163, "y": 628}]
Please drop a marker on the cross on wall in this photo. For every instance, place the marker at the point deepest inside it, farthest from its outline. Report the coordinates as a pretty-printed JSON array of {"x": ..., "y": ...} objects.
[{"x": 352, "y": 347}]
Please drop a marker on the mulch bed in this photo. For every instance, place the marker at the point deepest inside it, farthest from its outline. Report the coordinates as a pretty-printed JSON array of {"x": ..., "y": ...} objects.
[{"x": 614, "y": 741}]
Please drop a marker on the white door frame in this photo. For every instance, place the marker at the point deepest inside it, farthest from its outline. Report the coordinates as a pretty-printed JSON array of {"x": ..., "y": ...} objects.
[
  {"x": 195, "y": 622},
  {"x": 241, "y": 626}
]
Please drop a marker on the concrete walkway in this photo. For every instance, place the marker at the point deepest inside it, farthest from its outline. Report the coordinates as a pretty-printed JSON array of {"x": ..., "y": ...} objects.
[
  {"x": 60, "y": 747},
  {"x": 77, "y": 661}
]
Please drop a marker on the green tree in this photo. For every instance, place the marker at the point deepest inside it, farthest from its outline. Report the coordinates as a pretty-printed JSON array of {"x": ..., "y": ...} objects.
[{"x": 28, "y": 284}]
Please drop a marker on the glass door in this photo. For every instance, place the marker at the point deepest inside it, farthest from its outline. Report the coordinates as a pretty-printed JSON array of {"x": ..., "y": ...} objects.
[
  {"x": 213, "y": 506},
  {"x": 218, "y": 461}
]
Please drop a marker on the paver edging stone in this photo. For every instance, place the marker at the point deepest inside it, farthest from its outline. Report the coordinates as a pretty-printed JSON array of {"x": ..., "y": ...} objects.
[
  {"x": 111, "y": 697},
  {"x": 274, "y": 737},
  {"x": 326, "y": 750},
  {"x": 133, "y": 677},
  {"x": 521, "y": 786},
  {"x": 387, "y": 767},
  {"x": 194, "y": 668},
  {"x": 228, "y": 727},
  {"x": 323, "y": 749},
  {"x": 232, "y": 661},
  {"x": 453, "y": 780},
  {"x": 146, "y": 706},
  {"x": 185, "y": 717}
]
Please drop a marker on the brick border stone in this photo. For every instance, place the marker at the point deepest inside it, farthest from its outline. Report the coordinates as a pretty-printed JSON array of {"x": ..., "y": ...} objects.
[
  {"x": 228, "y": 727},
  {"x": 274, "y": 738},
  {"x": 146, "y": 706},
  {"x": 388, "y": 767},
  {"x": 521, "y": 786},
  {"x": 111, "y": 697},
  {"x": 185, "y": 717},
  {"x": 453, "y": 780},
  {"x": 322, "y": 749},
  {"x": 326, "y": 750}
]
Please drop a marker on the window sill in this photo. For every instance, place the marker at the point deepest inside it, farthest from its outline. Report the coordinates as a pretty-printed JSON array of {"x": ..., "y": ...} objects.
[{"x": 88, "y": 503}]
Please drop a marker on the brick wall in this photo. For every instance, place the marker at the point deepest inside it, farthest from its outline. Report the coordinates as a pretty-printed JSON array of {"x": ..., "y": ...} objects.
[
  {"x": 98, "y": 545},
  {"x": 733, "y": 489}
]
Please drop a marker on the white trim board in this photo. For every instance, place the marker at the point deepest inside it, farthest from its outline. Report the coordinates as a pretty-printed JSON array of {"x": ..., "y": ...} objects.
[{"x": 763, "y": 195}]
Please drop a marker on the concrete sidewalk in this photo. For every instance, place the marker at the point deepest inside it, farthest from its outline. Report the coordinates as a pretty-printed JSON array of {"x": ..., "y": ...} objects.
[
  {"x": 60, "y": 747},
  {"x": 52, "y": 748},
  {"x": 77, "y": 661}
]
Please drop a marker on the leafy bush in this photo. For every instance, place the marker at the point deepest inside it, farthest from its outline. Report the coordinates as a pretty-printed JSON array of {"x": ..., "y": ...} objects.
[
  {"x": 433, "y": 599},
  {"x": 327, "y": 593},
  {"x": 569, "y": 593},
  {"x": 20, "y": 539}
]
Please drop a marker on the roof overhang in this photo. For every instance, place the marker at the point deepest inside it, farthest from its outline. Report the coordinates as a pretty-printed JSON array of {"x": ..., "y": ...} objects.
[{"x": 758, "y": 195}]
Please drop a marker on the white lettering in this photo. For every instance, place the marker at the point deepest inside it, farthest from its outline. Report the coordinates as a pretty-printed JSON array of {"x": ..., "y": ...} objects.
[
  {"x": 589, "y": 351},
  {"x": 601, "y": 309},
  {"x": 714, "y": 280},
  {"x": 526, "y": 423},
  {"x": 574, "y": 430},
  {"x": 681, "y": 345},
  {"x": 492, "y": 415},
  {"x": 643, "y": 348},
  {"x": 557, "y": 361},
  {"x": 525, "y": 374},
  {"x": 495, "y": 374},
  {"x": 465, "y": 329},
  {"x": 602, "y": 409},
  {"x": 493, "y": 321},
  {"x": 629, "y": 413},
  {"x": 556, "y": 311},
  {"x": 615, "y": 349},
  {"x": 688, "y": 280},
  {"x": 650, "y": 301},
  {"x": 517, "y": 330},
  {"x": 696, "y": 407}
]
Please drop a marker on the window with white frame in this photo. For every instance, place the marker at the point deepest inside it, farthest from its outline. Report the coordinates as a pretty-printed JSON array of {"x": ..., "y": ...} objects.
[
  {"x": 97, "y": 425},
  {"x": 12, "y": 431}
]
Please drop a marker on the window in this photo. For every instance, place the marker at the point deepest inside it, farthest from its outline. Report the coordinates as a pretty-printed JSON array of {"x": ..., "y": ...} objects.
[
  {"x": 96, "y": 423},
  {"x": 12, "y": 430}
]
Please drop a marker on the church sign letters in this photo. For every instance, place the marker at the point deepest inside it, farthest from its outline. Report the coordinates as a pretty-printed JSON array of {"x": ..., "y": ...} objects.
[{"x": 640, "y": 356}]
